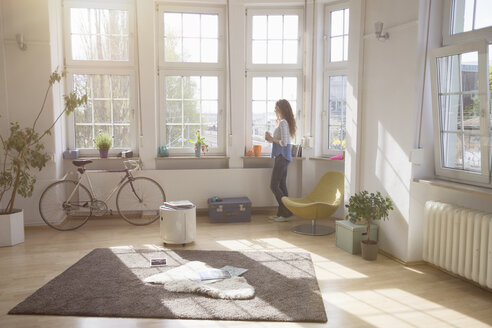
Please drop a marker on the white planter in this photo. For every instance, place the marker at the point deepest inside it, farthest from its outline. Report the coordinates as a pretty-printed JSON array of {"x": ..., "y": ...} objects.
[{"x": 12, "y": 228}]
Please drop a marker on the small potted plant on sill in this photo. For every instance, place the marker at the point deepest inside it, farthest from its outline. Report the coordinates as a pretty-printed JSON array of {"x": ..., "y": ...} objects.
[
  {"x": 373, "y": 206},
  {"x": 103, "y": 142},
  {"x": 22, "y": 150},
  {"x": 199, "y": 142}
]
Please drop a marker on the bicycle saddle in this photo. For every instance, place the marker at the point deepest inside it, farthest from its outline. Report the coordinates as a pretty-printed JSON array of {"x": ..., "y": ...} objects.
[{"x": 81, "y": 162}]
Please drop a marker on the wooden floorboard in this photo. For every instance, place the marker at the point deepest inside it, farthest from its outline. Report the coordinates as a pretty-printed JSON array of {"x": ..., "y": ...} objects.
[{"x": 356, "y": 293}]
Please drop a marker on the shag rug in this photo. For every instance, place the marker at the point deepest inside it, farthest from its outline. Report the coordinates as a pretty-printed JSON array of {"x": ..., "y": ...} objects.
[{"x": 110, "y": 283}]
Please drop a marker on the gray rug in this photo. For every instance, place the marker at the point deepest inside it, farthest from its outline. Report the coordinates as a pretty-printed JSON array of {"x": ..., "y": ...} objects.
[{"x": 108, "y": 283}]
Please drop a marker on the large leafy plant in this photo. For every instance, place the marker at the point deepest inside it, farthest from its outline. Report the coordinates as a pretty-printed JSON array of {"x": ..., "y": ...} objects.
[
  {"x": 373, "y": 206},
  {"x": 23, "y": 150}
]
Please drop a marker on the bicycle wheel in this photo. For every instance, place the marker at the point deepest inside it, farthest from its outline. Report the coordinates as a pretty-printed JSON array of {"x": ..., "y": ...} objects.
[
  {"x": 138, "y": 201},
  {"x": 62, "y": 213}
]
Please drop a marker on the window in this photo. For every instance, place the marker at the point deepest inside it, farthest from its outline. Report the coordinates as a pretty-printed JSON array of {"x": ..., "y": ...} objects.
[
  {"x": 461, "y": 117},
  {"x": 192, "y": 83},
  {"x": 470, "y": 15},
  {"x": 100, "y": 62},
  {"x": 335, "y": 79},
  {"x": 274, "y": 69}
]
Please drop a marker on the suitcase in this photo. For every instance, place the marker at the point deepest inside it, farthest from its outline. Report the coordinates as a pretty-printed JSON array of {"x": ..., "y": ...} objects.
[{"x": 234, "y": 209}]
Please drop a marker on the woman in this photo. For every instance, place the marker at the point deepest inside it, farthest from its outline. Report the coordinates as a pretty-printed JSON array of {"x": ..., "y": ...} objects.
[{"x": 281, "y": 151}]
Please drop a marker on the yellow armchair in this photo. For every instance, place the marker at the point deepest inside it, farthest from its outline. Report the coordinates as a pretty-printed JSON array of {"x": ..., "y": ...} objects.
[{"x": 320, "y": 203}]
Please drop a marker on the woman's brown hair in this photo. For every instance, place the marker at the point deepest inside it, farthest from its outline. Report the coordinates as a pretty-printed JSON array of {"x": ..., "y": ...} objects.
[{"x": 287, "y": 114}]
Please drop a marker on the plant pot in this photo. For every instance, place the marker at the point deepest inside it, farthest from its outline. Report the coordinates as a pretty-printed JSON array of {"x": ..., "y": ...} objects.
[
  {"x": 103, "y": 153},
  {"x": 369, "y": 249},
  {"x": 197, "y": 152},
  {"x": 11, "y": 228}
]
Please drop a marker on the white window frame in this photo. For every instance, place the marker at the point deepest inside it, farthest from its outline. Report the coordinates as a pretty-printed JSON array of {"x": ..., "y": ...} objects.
[
  {"x": 272, "y": 70},
  {"x": 120, "y": 5},
  {"x": 193, "y": 69},
  {"x": 102, "y": 67},
  {"x": 331, "y": 69},
  {"x": 326, "y": 150},
  {"x": 449, "y": 38},
  {"x": 249, "y": 105},
  {"x": 455, "y": 174},
  {"x": 220, "y": 150}
]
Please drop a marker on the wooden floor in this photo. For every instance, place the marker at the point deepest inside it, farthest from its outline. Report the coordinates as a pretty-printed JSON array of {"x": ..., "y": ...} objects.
[{"x": 356, "y": 293}]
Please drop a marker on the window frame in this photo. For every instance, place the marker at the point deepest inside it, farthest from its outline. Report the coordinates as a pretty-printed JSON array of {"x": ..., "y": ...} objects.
[
  {"x": 192, "y": 68},
  {"x": 219, "y": 10},
  {"x": 483, "y": 80},
  {"x": 102, "y": 67},
  {"x": 332, "y": 69},
  {"x": 250, "y": 12},
  {"x": 133, "y": 125},
  {"x": 249, "y": 104},
  {"x": 449, "y": 38},
  {"x": 326, "y": 150},
  {"x": 272, "y": 70},
  {"x": 112, "y": 5},
  {"x": 221, "y": 130}
]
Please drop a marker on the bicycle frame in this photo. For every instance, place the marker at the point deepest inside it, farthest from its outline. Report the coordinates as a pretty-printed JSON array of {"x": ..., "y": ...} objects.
[{"x": 128, "y": 176}]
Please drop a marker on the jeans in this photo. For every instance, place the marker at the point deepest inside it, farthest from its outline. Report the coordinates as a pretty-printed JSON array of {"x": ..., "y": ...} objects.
[{"x": 278, "y": 184}]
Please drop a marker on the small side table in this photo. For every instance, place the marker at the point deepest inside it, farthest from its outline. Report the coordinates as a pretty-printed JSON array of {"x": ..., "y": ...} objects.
[
  {"x": 349, "y": 235},
  {"x": 177, "y": 225}
]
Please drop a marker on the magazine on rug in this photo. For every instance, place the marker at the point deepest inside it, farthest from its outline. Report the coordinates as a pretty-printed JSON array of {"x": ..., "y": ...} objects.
[{"x": 234, "y": 271}]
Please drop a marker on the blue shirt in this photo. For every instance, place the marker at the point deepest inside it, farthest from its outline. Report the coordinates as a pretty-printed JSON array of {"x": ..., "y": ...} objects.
[{"x": 282, "y": 134}]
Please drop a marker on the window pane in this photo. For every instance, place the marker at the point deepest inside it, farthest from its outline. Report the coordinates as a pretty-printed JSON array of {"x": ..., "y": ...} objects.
[
  {"x": 210, "y": 133},
  {"x": 191, "y": 111},
  {"x": 290, "y": 88},
  {"x": 108, "y": 105},
  {"x": 469, "y": 71},
  {"x": 346, "y": 21},
  {"x": 191, "y": 50},
  {"x": 291, "y": 27},
  {"x": 259, "y": 112},
  {"x": 174, "y": 111},
  {"x": 274, "y": 52},
  {"x": 173, "y": 49},
  {"x": 345, "y": 48},
  {"x": 275, "y": 27},
  {"x": 259, "y": 27},
  {"x": 483, "y": 14},
  {"x": 337, "y": 24},
  {"x": 99, "y": 34},
  {"x": 337, "y": 112},
  {"x": 192, "y": 38},
  {"x": 210, "y": 26},
  {"x": 174, "y": 135},
  {"x": 274, "y": 88},
  {"x": 210, "y": 87},
  {"x": 210, "y": 49},
  {"x": 448, "y": 73},
  {"x": 473, "y": 154},
  {"x": 452, "y": 150},
  {"x": 450, "y": 113},
  {"x": 259, "y": 88},
  {"x": 259, "y": 52},
  {"x": 121, "y": 136},
  {"x": 336, "y": 49},
  {"x": 172, "y": 25},
  {"x": 290, "y": 52},
  {"x": 191, "y": 26}
]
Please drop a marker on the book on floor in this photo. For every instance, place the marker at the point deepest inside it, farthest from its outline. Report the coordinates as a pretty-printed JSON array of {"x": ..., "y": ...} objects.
[
  {"x": 234, "y": 271},
  {"x": 214, "y": 274}
]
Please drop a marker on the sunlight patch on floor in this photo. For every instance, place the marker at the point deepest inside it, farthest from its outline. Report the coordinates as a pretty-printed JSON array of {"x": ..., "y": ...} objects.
[{"x": 397, "y": 308}]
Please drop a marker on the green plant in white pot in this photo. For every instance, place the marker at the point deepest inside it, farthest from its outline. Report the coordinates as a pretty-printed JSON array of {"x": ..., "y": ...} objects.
[
  {"x": 373, "y": 206},
  {"x": 22, "y": 150}
]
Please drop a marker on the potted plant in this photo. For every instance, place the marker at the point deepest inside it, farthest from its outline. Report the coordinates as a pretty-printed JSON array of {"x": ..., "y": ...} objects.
[
  {"x": 103, "y": 142},
  {"x": 22, "y": 150},
  {"x": 199, "y": 142},
  {"x": 373, "y": 206}
]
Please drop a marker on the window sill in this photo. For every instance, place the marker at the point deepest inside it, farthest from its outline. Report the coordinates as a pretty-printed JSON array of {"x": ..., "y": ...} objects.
[
  {"x": 96, "y": 158},
  {"x": 203, "y": 157},
  {"x": 270, "y": 158},
  {"x": 326, "y": 159},
  {"x": 456, "y": 186}
]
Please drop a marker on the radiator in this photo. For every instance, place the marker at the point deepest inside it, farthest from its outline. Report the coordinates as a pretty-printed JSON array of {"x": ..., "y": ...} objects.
[{"x": 459, "y": 240}]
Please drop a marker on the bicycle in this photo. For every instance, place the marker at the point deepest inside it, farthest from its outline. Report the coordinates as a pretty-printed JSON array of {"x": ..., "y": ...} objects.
[{"x": 68, "y": 204}]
